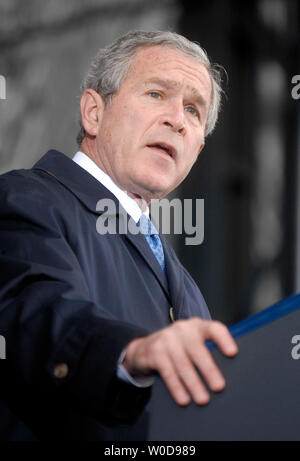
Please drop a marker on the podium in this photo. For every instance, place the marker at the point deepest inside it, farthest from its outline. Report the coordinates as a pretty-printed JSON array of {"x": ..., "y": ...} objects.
[{"x": 261, "y": 401}]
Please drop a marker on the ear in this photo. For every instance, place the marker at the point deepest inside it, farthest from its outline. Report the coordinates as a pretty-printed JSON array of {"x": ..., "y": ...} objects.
[
  {"x": 92, "y": 107},
  {"x": 201, "y": 148}
]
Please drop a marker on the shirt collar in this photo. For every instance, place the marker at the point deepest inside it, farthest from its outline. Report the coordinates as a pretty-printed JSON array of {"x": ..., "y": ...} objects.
[{"x": 128, "y": 203}]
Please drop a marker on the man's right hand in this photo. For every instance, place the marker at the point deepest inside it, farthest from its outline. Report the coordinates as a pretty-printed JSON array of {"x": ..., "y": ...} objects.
[{"x": 177, "y": 352}]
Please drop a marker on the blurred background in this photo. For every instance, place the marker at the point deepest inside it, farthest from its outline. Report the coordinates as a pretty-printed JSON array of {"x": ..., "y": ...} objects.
[{"x": 248, "y": 173}]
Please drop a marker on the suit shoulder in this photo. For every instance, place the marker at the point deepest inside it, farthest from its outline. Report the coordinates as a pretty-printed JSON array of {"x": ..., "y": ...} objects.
[
  {"x": 30, "y": 199},
  {"x": 31, "y": 185}
]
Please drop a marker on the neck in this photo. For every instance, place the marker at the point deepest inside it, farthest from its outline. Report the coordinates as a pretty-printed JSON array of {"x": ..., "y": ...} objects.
[{"x": 139, "y": 200}]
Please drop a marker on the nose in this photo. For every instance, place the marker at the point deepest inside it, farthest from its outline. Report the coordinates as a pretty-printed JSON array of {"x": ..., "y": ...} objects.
[{"x": 175, "y": 117}]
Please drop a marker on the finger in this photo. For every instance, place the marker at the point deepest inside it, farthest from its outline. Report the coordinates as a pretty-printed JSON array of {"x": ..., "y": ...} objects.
[
  {"x": 205, "y": 363},
  {"x": 170, "y": 377},
  {"x": 222, "y": 337},
  {"x": 188, "y": 375}
]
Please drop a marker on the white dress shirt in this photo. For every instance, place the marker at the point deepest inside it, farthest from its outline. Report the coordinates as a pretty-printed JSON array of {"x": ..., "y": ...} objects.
[{"x": 132, "y": 208}]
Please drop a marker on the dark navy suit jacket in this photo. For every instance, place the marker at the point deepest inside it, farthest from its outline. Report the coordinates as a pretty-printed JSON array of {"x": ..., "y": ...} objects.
[{"x": 69, "y": 295}]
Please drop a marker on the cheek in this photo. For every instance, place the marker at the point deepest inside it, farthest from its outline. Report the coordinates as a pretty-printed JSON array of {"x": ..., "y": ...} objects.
[
  {"x": 127, "y": 124},
  {"x": 193, "y": 150},
  {"x": 198, "y": 145}
]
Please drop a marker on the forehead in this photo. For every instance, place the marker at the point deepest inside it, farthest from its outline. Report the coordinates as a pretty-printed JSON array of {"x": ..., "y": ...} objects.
[{"x": 172, "y": 65}]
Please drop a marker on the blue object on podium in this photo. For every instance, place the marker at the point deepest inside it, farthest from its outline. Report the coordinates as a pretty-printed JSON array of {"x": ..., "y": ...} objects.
[{"x": 262, "y": 397}]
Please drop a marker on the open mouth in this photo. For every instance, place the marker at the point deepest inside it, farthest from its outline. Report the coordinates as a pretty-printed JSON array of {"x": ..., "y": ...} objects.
[{"x": 163, "y": 148}]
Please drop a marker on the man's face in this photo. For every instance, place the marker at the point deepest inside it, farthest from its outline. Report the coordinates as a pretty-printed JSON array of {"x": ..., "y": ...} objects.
[{"x": 151, "y": 134}]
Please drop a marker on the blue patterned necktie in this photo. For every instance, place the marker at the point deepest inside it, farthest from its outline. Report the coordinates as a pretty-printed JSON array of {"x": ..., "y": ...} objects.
[{"x": 152, "y": 237}]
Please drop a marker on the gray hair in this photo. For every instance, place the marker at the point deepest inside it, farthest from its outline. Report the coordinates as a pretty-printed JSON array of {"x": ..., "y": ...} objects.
[{"x": 111, "y": 66}]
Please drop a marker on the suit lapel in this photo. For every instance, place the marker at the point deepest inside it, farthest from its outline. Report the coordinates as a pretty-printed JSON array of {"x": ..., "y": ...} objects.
[
  {"x": 141, "y": 245},
  {"x": 175, "y": 277}
]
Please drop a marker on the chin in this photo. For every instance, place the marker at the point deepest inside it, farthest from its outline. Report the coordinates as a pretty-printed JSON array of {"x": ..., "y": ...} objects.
[
  {"x": 156, "y": 190},
  {"x": 152, "y": 186}
]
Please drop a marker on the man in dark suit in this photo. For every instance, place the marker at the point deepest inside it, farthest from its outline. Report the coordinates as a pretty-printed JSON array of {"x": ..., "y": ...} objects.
[{"x": 90, "y": 318}]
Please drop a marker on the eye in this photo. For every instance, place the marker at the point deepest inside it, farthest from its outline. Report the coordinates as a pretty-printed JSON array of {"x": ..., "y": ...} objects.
[
  {"x": 154, "y": 95},
  {"x": 193, "y": 111}
]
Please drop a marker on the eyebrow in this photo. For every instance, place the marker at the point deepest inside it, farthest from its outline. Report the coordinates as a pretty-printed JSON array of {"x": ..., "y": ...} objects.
[{"x": 173, "y": 84}]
